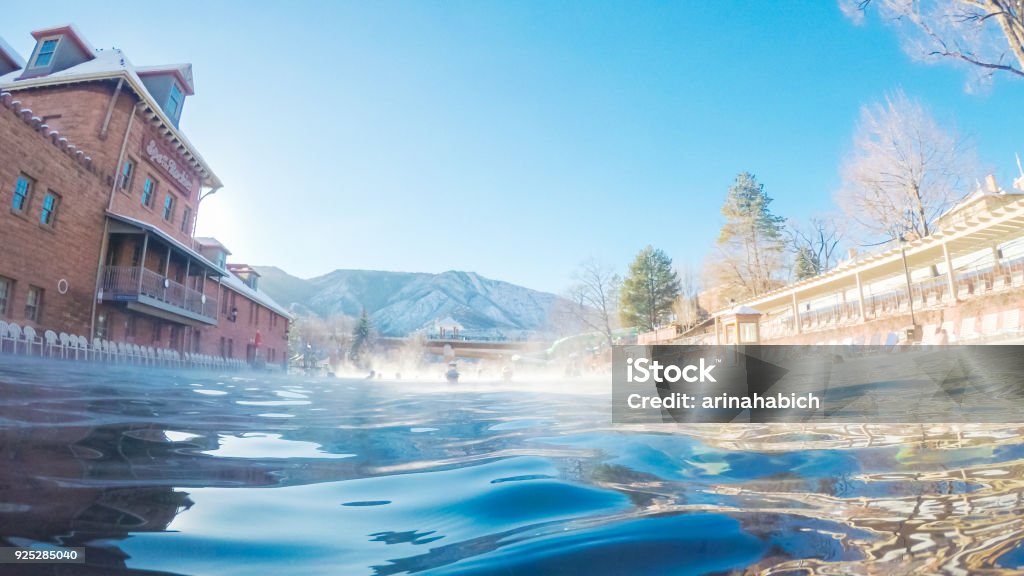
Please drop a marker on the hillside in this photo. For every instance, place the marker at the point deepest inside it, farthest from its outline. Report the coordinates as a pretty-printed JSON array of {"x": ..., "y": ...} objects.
[{"x": 402, "y": 302}]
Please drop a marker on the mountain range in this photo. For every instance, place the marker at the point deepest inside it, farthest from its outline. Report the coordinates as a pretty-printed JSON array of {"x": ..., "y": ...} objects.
[{"x": 400, "y": 303}]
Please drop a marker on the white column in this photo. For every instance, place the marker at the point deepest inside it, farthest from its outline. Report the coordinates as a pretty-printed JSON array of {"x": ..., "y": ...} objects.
[
  {"x": 950, "y": 273},
  {"x": 796, "y": 315},
  {"x": 860, "y": 298}
]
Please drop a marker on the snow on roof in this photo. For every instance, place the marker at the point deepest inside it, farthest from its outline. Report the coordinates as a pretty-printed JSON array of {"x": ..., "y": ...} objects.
[
  {"x": 745, "y": 310},
  {"x": 243, "y": 268},
  {"x": 113, "y": 64},
  {"x": 236, "y": 284},
  {"x": 183, "y": 72},
  {"x": 8, "y": 53},
  {"x": 71, "y": 32},
  {"x": 448, "y": 322},
  {"x": 206, "y": 241}
]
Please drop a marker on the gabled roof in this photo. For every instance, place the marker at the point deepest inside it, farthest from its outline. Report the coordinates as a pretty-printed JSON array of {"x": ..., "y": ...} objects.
[
  {"x": 236, "y": 284},
  {"x": 243, "y": 269},
  {"x": 68, "y": 31},
  {"x": 448, "y": 322},
  {"x": 113, "y": 65},
  {"x": 182, "y": 72},
  {"x": 206, "y": 241},
  {"x": 9, "y": 55}
]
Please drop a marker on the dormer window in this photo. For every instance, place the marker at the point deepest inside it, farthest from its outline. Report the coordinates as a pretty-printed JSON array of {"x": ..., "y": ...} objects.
[
  {"x": 46, "y": 51},
  {"x": 174, "y": 99}
]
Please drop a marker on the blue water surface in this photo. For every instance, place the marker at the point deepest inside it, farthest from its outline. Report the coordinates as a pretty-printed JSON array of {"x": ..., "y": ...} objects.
[{"x": 161, "y": 472}]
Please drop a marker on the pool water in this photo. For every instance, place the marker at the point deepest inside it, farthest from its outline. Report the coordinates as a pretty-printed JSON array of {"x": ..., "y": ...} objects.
[{"x": 161, "y": 472}]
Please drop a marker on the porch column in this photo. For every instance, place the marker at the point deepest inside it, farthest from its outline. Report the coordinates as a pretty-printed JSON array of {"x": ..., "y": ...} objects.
[
  {"x": 796, "y": 316},
  {"x": 142, "y": 262},
  {"x": 950, "y": 274},
  {"x": 860, "y": 298},
  {"x": 718, "y": 338},
  {"x": 167, "y": 270},
  {"x": 202, "y": 295}
]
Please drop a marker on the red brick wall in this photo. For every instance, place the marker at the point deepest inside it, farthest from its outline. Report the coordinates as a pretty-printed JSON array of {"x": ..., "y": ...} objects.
[
  {"x": 77, "y": 112},
  {"x": 242, "y": 331},
  {"x": 33, "y": 254}
]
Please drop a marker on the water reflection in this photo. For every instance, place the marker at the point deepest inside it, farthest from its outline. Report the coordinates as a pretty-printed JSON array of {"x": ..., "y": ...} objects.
[{"x": 376, "y": 478}]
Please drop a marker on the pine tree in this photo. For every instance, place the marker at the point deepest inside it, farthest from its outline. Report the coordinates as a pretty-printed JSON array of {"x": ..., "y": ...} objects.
[
  {"x": 805, "y": 265},
  {"x": 649, "y": 291},
  {"x": 752, "y": 238},
  {"x": 360, "y": 338}
]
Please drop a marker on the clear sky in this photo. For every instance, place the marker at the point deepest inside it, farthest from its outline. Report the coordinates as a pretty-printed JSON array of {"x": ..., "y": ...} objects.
[{"x": 514, "y": 138}]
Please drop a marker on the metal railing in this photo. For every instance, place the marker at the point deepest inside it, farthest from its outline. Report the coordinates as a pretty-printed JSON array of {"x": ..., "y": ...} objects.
[
  {"x": 129, "y": 282},
  {"x": 925, "y": 294}
]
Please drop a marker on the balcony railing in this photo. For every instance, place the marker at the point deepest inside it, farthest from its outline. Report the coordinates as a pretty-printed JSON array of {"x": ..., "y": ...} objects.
[
  {"x": 128, "y": 283},
  {"x": 927, "y": 294}
]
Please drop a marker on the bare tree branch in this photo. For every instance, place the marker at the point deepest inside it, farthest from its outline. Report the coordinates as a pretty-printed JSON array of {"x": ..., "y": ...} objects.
[
  {"x": 904, "y": 170},
  {"x": 987, "y": 34}
]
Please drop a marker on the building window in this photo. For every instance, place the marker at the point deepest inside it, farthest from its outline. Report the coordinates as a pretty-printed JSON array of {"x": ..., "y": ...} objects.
[
  {"x": 129, "y": 327},
  {"x": 185, "y": 219},
  {"x": 34, "y": 303},
  {"x": 127, "y": 173},
  {"x": 158, "y": 331},
  {"x": 231, "y": 348},
  {"x": 174, "y": 99},
  {"x": 223, "y": 347},
  {"x": 148, "y": 192},
  {"x": 48, "y": 215},
  {"x": 6, "y": 289},
  {"x": 46, "y": 51},
  {"x": 748, "y": 332},
  {"x": 22, "y": 193},
  {"x": 224, "y": 302},
  {"x": 169, "y": 208}
]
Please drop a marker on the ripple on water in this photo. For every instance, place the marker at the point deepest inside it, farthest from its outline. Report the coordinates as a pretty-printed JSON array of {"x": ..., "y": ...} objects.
[
  {"x": 480, "y": 481},
  {"x": 273, "y": 402},
  {"x": 262, "y": 445}
]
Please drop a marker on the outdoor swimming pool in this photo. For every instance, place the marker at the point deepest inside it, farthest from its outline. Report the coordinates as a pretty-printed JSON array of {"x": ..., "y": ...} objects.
[{"x": 157, "y": 472}]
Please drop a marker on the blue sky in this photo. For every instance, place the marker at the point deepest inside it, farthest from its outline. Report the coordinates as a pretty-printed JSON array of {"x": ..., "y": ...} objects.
[{"x": 517, "y": 139}]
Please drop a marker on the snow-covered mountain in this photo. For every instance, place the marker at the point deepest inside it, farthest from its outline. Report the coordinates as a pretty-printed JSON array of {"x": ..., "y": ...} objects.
[{"x": 402, "y": 302}]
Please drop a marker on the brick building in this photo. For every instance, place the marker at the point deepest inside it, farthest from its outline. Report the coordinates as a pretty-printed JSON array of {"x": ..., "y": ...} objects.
[{"x": 100, "y": 191}]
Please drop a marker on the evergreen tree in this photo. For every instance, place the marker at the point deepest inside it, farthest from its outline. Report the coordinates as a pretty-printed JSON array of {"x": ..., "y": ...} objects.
[
  {"x": 751, "y": 240},
  {"x": 806, "y": 265},
  {"x": 360, "y": 338},
  {"x": 649, "y": 291}
]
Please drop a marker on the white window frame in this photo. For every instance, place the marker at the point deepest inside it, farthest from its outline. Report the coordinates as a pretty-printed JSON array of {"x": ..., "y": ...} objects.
[{"x": 42, "y": 43}]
